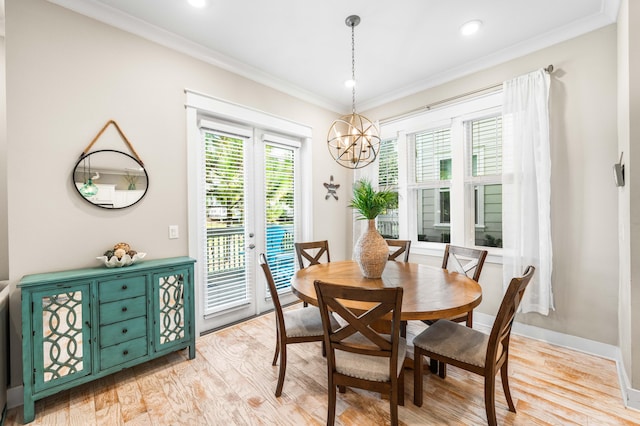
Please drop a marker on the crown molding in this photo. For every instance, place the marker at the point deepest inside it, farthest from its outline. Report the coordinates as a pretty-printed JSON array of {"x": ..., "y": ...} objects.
[
  {"x": 143, "y": 29},
  {"x": 608, "y": 15}
]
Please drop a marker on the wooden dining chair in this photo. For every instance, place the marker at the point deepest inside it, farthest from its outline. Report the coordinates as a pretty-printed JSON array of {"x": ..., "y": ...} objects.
[
  {"x": 312, "y": 252},
  {"x": 357, "y": 355},
  {"x": 464, "y": 260},
  {"x": 292, "y": 326},
  {"x": 398, "y": 247},
  {"x": 472, "y": 350}
]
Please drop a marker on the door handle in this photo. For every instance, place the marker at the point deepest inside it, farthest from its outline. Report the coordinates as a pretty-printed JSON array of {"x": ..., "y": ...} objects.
[{"x": 251, "y": 246}]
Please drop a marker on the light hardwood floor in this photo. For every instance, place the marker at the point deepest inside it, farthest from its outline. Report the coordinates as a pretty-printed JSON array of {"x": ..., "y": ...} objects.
[{"x": 232, "y": 382}]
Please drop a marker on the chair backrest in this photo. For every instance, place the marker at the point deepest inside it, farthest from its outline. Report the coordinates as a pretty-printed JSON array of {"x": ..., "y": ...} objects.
[
  {"x": 356, "y": 335},
  {"x": 308, "y": 251},
  {"x": 463, "y": 260},
  {"x": 403, "y": 246},
  {"x": 274, "y": 293},
  {"x": 498, "y": 347}
]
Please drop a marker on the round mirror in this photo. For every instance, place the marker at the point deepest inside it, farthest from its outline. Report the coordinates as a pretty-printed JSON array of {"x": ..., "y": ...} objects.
[{"x": 110, "y": 179}]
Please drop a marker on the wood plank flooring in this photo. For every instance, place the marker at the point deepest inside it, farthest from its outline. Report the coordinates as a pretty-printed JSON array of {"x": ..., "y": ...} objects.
[{"x": 232, "y": 382}]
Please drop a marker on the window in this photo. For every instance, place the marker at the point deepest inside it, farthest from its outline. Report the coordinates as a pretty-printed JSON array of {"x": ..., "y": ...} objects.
[
  {"x": 387, "y": 223},
  {"x": 450, "y": 163}
]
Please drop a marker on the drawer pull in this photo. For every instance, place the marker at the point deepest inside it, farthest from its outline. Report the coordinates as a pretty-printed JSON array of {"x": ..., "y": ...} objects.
[
  {"x": 125, "y": 352},
  {"x": 124, "y": 331},
  {"x": 124, "y": 286},
  {"x": 124, "y": 309}
]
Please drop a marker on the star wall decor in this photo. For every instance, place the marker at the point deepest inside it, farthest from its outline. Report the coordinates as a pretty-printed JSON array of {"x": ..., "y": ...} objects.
[{"x": 331, "y": 189}]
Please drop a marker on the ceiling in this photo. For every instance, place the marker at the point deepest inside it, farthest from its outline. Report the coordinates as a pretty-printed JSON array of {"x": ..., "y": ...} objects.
[{"x": 303, "y": 47}]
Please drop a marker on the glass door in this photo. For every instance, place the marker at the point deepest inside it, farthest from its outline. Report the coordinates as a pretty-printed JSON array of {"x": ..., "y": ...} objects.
[{"x": 249, "y": 208}]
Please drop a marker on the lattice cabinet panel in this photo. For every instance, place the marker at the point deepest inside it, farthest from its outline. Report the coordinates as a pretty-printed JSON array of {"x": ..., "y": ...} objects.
[{"x": 83, "y": 324}]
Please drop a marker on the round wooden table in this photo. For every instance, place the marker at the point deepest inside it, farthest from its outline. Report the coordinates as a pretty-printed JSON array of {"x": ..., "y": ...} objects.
[{"x": 429, "y": 292}]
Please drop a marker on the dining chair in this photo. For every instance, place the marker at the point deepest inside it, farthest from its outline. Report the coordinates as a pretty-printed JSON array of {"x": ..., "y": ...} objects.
[
  {"x": 292, "y": 326},
  {"x": 463, "y": 260},
  {"x": 357, "y": 355},
  {"x": 312, "y": 252},
  {"x": 399, "y": 247},
  {"x": 472, "y": 350}
]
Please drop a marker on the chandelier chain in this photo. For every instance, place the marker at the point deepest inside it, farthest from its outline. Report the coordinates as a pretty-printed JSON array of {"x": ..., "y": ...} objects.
[{"x": 353, "y": 68}]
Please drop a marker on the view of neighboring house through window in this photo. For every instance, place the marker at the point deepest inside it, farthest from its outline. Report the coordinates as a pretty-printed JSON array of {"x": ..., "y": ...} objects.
[
  {"x": 450, "y": 180},
  {"x": 432, "y": 183},
  {"x": 484, "y": 138}
]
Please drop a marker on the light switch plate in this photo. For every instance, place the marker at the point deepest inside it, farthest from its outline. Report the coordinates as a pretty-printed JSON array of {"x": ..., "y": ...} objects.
[{"x": 173, "y": 232}]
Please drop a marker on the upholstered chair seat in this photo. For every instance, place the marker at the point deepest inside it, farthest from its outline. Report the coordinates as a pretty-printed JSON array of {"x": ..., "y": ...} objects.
[{"x": 368, "y": 367}]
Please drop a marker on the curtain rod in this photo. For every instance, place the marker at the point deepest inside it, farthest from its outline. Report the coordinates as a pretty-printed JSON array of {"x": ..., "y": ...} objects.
[{"x": 430, "y": 106}]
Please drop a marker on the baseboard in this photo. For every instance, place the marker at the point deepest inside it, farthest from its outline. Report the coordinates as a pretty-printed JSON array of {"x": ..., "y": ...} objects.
[{"x": 630, "y": 396}]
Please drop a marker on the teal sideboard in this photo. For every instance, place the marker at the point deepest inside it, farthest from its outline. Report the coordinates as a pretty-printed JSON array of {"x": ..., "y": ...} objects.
[{"x": 82, "y": 324}]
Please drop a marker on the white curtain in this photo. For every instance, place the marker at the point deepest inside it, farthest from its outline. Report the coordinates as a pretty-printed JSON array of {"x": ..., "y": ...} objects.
[{"x": 526, "y": 187}]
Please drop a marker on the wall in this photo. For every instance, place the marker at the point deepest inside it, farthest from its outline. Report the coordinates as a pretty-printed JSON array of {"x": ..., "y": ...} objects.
[
  {"x": 629, "y": 205},
  {"x": 66, "y": 76},
  {"x": 584, "y": 198},
  {"x": 4, "y": 247}
]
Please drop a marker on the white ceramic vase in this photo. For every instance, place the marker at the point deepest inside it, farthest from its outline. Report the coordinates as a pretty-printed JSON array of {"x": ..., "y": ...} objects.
[{"x": 371, "y": 252}]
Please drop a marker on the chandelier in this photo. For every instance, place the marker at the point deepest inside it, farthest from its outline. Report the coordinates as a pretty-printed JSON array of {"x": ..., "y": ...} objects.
[{"x": 353, "y": 140}]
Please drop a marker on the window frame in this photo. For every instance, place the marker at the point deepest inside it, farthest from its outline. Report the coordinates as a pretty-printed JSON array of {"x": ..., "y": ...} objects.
[{"x": 462, "y": 220}]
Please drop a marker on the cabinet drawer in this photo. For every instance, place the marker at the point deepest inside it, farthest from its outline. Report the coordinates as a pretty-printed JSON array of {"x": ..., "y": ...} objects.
[
  {"x": 121, "y": 310},
  {"x": 122, "y": 288},
  {"x": 123, "y": 352},
  {"x": 122, "y": 331}
]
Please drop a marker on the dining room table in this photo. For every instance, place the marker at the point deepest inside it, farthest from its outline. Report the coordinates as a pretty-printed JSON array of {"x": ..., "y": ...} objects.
[{"x": 429, "y": 292}]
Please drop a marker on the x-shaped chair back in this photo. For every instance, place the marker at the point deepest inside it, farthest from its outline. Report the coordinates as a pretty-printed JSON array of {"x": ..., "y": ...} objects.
[
  {"x": 312, "y": 252},
  {"x": 463, "y": 260},
  {"x": 375, "y": 305},
  {"x": 402, "y": 246}
]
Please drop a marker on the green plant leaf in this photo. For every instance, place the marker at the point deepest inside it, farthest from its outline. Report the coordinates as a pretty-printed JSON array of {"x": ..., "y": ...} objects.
[{"x": 370, "y": 203}]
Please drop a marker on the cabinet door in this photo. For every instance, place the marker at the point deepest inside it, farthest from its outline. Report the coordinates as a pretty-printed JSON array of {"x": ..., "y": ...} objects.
[
  {"x": 172, "y": 308},
  {"x": 61, "y": 335}
]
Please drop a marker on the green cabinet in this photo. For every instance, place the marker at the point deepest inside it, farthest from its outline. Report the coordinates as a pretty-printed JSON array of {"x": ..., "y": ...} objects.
[{"x": 83, "y": 324}]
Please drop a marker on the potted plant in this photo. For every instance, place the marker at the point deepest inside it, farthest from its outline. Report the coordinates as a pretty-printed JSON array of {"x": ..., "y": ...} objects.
[{"x": 371, "y": 251}]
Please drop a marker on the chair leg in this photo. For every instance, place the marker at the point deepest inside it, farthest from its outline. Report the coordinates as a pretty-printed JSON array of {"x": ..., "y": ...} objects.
[
  {"x": 490, "y": 400},
  {"x": 393, "y": 404},
  {"x": 305, "y": 304},
  {"x": 403, "y": 329},
  {"x": 401, "y": 387},
  {"x": 342, "y": 388},
  {"x": 442, "y": 370},
  {"x": 331, "y": 408},
  {"x": 275, "y": 357},
  {"x": 504, "y": 375},
  {"x": 417, "y": 377},
  {"x": 433, "y": 365},
  {"x": 283, "y": 369},
  {"x": 324, "y": 350}
]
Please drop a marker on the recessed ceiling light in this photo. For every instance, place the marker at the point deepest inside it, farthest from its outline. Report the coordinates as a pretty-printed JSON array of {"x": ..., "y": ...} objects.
[
  {"x": 198, "y": 3},
  {"x": 349, "y": 83},
  {"x": 470, "y": 27}
]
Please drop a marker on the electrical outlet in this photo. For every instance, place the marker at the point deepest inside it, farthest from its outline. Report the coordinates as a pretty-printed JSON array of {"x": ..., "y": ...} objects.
[{"x": 173, "y": 232}]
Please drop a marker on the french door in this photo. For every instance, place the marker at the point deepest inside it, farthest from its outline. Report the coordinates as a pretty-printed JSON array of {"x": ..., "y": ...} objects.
[{"x": 249, "y": 203}]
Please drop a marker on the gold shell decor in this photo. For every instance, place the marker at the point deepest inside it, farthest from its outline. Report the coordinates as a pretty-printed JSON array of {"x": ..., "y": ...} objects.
[{"x": 123, "y": 246}]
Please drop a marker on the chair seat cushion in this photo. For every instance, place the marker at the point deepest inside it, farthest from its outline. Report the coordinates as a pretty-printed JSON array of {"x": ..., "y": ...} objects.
[
  {"x": 455, "y": 341},
  {"x": 368, "y": 367},
  {"x": 305, "y": 322}
]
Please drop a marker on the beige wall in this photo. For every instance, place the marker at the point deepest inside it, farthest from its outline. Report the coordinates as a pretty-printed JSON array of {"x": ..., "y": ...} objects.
[
  {"x": 4, "y": 247},
  {"x": 584, "y": 198},
  {"x": 629, "y": 204},
  {"x": 66, "y": 76}
]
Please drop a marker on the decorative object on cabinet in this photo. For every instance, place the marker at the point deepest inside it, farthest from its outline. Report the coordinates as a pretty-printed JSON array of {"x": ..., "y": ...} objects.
[
  {"x": 120, "y": 255},
  {"x": 83, "y": 324},
  {"x": 123, "y": 178},
  {"x": 331, "y": 189},
  {"x": 371, "y": 251}
]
